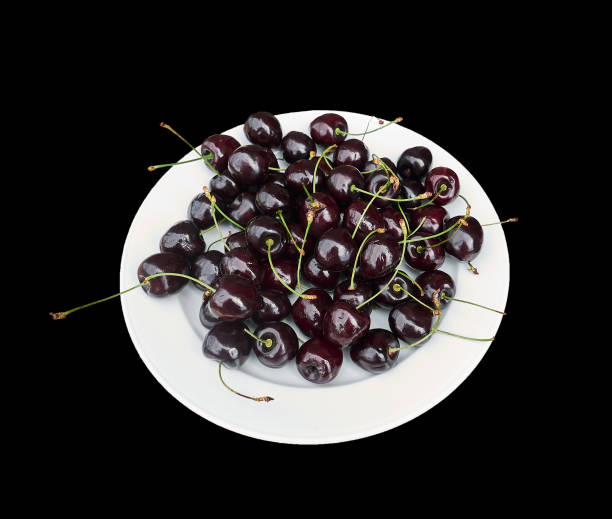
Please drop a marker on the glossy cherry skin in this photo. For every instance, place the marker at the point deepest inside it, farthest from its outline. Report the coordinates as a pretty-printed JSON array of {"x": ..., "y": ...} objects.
[
  {"x": 221, "y": 146},
  {"x": 224, "y": 187},
  {"x": 274, "y": 306},
  {"x": 466, "y": 243},
  {"x": 301, "y": 173},
  {"x": 435, "y": 216},
  {"x": 431, "y": 281},
  {"x": 335, "y": 250},
  {"x": 339, "y": 183},
  {"x": 379, "y": 256},
  {"x": 243, "y": 208},
  {"x": 372, "y": 352},
  {"x": 284, "y": 345},
  {"x": 272, "y": 160},
  {"x": 296, "y": 146},
  {"x": 242, "y": 262},
  {"x": 317, "y": 275},
  {"x": 324, "y": 219},
  {"x": 389, "y": 297},
  {"x": 376, "y": 181},
  {"x": 351, "y": 152},
  {"x": 272, "y": 198},
  {"x": 412, "y": 189},
  {"x": 277, "y": 178},
  {"x": 163, "y": 262},
  {"x": 200, "y": 211},
  {"x": 183, "y": 238},
  {"x": 392, "y": 218},
  {"x": 361, "y": 292},
  {"x": 318, "y": 361},
  {"x": 205, "y": 267},
  {"x": 263, "y": 128},
  {"x": 235, "y": 299},
  {"x": 343, "y": 325},
  {"x": 248, "y": 165},
  {"x": 207, "y": 318},
  {"x": 442, "y": 176},
  {"x": 237, "y": 239},
  {"x": 286, "y": 269},
  {"x": 372, "y": 219},
  {"x": 263, "y": 228},
  {"x": 227, "y": 343},
  {"x": 308, "y": 313},
  {"x": 297, "y": 232},
  {"x": 429, "y": 258},
  {"x": 411, "y": 321},
  {"x": 414, "y": 163},
  {"x": 323, "y": 129}
]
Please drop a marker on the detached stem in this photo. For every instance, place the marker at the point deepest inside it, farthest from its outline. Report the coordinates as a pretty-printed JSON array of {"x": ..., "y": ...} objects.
[{"x": 256, "y": 399}]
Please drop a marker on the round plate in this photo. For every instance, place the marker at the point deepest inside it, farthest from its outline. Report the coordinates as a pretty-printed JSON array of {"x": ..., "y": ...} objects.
[{"x": 168, "y": 335}]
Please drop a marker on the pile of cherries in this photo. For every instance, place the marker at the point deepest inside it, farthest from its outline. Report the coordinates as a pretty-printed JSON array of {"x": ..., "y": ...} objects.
[{"x": 332, "y": 212}]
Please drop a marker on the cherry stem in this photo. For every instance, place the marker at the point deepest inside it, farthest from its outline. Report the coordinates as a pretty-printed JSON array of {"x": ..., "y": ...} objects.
[
  {"x": 267, "y": 342},
  {"x": 256, "y": 399},
  {"x": 308, "y": 194},
  {"x": 213, "y": 211},
  {"x": 467, "y": 338},
  {"x": 461, "y": 221},
  {"x": 282, "y": 219},
  {"x": 314, "y": 175},
  {"x": 444, "y": 296},
  {"x": 499, "y": 223},
  {"x": 213, "y": 202},
  {"x": 399, "y": 206},
  {"x": 473, "y": 268},
  {"x": 277, "y": 169},
  {"x": 417, "y": 228},
  {"x": 418, "y": 197},
  {"x": 310, "y": 217},
  {"x": 351, "y": 285},
  {"x": 430, "y": 201},
  {"x": 421, "y": 238},
  {"x": 168, "y": 127},
  {"x": 380, "y": 190},
  {"x": 62, "y": 315},
  {"x": 216, "y": 241},
  {"x": 269, "y": 243},
  {"x": 397, "y": 288},
  {"x": 327, "y": 162},
  {"x": 371, "y": 170},
  {"x": 397, "y": 120},
  {"x": 402, "y": 273},
  {"x": 153, "y": 168},
  {"x": 212, "y": 227},
  {"x": 433, "y": 330}
]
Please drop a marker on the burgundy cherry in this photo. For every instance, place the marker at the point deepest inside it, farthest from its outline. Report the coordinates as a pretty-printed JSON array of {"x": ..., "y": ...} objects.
[
  {"x": 281, "y": 348},
  {"x": 200, "y": 211},
  {"x": 411, "y": 321},
  {"x": 235, "y": 299},
  {"x": 319, "y": 276},
  {"x": 377, "y": 180},
  {"x": 183, "y": 238},
  {"x": 389, "y": 297},
  {"x": 371, "y": 165},
  {"x": 318, "y": 361},
  {"x": 335, "y": 249},
  {"x": 414, "y": 163},
  {"x": 308, "y": 313},
  {"x": 412, "y": 189},
  {"x": 221, "y": 146},
  {"x": 263, "y": 128},
  {"x": 286, "y": 269},
  {"x": 302, "y": 173},
  {"x": 392, "y": 218},
  {"x": 263, "y": 228},
  {"x": 224, "y": 187},
  {"x": 372, "y": 352},
  {"x": 438, "y": 177},
  {"x": 296, "y": 146},
  {"x": 324, "y": 219},
  {"x": 323, "y": 129},
  {"x": 271, "y": 198},
  {"x": 228, "y": 343},
  {"x": 272, "y": 160},
  {"x": 206, "y": 268},
  {"x": 243, "y": 208},
  {"x": 344, "y": 325},
  {"x": 379, "y": 256},
  {"x": 297, "y": 232},
  {"x": 435, "y": 216},
  {"x": 351, "y": 152},
  {"x": 423, "y": 254},
  {"x": 372, "y": 219},
  {"x": 163, "y": 262},
  {"x": 274, "y": 306},
  {"x": 207, "y": 318},
  {"x": 241, "y": 262},
  {"x": 466, "y": 243},
  {"x": 248, "y": 165},
  {"x": 360, "y": 293},
  {"x": 237, "y": 239},
  {"x": 434, "y": 280},
  {"x": 340, "y": 181}
]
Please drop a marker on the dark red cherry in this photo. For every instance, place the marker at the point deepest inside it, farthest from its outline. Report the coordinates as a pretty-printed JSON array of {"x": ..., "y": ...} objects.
[
  {"x": 286, "y": 269},
  {"x": 343, "y": 325},
  {"x": 438, "y": 177},
  {"x": 242, "y": 262},
  {"x": 317, "y": 275},
  {"x": 183, "y": 238},
  {"x": 414, "y": 163},
  {"x": 324, "y": 219},
  {"x": 389, "y": 297},
  {"x": 237, "y": 239},
  {"x": 318, "y": 361},
  {"x": 228, "y": 343},
  {"x": 372, "y": 352},
  {"x": 392, "y": 218},
  {"x": 163, "y": 262},
  {"x": 263, "y": 228},
  {"x": 205, "y": 267},
  {"x": 323, "y": 129},
  {"x": 278, "y": 179},
  {"x": 271, "y": 198},
  {"x": 248, "y": 165},
  {"x": 411, "y": 321},
  {"x": 377, "y": 180},
  {"x": 200, "y": 211},
  {"x": 352, "y": 152},
  {"x": 372, "y": 219},
  {"x": 361, "y": 292},
  {"x": 297, "y": 232},
  {"x": 339, "y": 183},
  {"x": 301, "y": 173},
  {"x": 224, "y": 187},
  {"x": 263, "y": 128},
  {"x": 379, "y": 256},
  {"x": 235, "y": 299},
  {"x": 296, "y": 146},
  {"x": 207, "y": 318},
  {"x": 243, "y": 208},
  {"x": 422, "y": 255},
  {"x": 412, "y": 189},
  {"x": 466, "y": 243},
  {"x": 272, "y": 160},
  {"x": 308, "y": 313},
  {"x": 283, "y": 348},
  {"x": 221, "y": 146},
  {"x": 435, "y": 216},
  {"x": 335, "y": 249},
  {"x": 433, "y": 280},
  {"x": 274, "y": 306}
]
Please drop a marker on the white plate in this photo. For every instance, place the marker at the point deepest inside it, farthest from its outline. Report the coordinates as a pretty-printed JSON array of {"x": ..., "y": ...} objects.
[{"x": 168, "y": 335}]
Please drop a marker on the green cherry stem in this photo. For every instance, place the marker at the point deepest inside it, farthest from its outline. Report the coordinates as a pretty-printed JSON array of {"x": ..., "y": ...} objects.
[
  {"x": 309, "y": 219},
  {"x": 430, "y": 201},
  {"x": 213, "y": 210},
  {"x": 417, "y": 228},
  {"x": 399, "y": 288},
  {"x": 329, "y": 165},
  {"x": 434, "y": 235},
  {"x": 314, "y": 175},
  {"x": 381, "y": 189},
  {"x": 380, "y": 121},
  {"x": 267, "y": 342},
  {"x": 277, "y": 169},
  {"x": 399, "y": 206},
  {"x": 473, "y": 268},
  {"x": 468, "y": 338},
  {"x": 499, "y": 223},
  {"x": 153, "y": 168},
  {"x": 444, "y": 296},
  {"x": 212, "y": 227},
  {"x": 351, "y": 285},
  {"x": 371, "y": 170},
  {"x": 256, "y": 399},
  {"x": 210, "y": 198},
  {"x": 418, "y": 197},
  {"x": 202, "y": 157},
  {"x": 433, "y": 330},
  {"x": 269, "y": 243},
  {"x": 402, "y": 273},
  {"x": 284, "y": 224},
  {"x": 308, "y": 194},
  {"x": 216, "y": 241}
]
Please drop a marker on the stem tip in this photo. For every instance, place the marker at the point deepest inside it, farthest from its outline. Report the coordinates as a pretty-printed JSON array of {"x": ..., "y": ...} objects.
[{"x": 58, "y": 315}]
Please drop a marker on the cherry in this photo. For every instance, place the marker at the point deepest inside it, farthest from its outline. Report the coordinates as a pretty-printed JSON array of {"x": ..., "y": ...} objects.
[
  {"x": 221, "y": 147},
  {"x": 163, "y": 262},
  {"x": 308, "y": 313},
  {"x": 277, "y": 344},
  {"x": 296, "y": 146},
  {"x": 371, "y": 220},
  {"x": 360, "y": 293},
  {"x": 436, "y": 281},
  {"x": 389, "y": 297},
  {"x": 235, "y": 299},
  {"x": 207, "y": 318},
  {"x": 301, "y": 173},
  {"x": 435, "y": 216},
  {"x": 286, "y": 269},
  {"x": 224, "y": 187},
  {"x": 351, "y": 152},
  {"x": 412, "y": 189},
  {"x": 278, "y": 179},
  {"x": 272, "y": 160},
  {"x": 205, "y": 267},
  {"x": 439, "y": 177},
  {"x": 274, "y": 306},
  {"x": 243, "y": 208},
  {"x": 297, "y": 233},
  {"x": 227, "y": 343},
  {"x": 318, "y": 276},
  {"x": 375, "y": 181},
  {"x": 271, "y": 198},
  {"x": 200, "y": 211},
  {"x": 262, "y": 228},
  {"x": 379, "y": 257},
  {"x": 424, "y": 254},
  {"x": 370, "y": 165},
  {"x": 339, "y": 183},
  {"x": 183, "y": 238},
  {"x": 325, "y": 218},
  {"x": 335, "y": 249},
  {"x": 372, "y": 352},
  {"x": 465, "y": 244},
  {"x": 344, "y": 325},
  {"x": 323, "y": 129},
  {"x": 248, "y": 165},
  {"x": 318, "y": 361},
  {"x": 392, "y": 218},
  {"x": 414, "y": 163},
  {"x": 236, "y": 239},
  {"x": 263, "y": 128},
  {"x": 242, "y": 262},
  {"x": 411, "y": 321}
]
